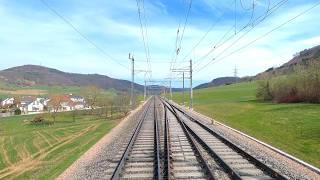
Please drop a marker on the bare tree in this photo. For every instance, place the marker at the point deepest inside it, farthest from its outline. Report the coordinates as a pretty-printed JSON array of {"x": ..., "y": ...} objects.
[
  {"x": 92, "y": 95},
  {"x": 17, "y": 101},
  {"x": 55, "y": 104}
]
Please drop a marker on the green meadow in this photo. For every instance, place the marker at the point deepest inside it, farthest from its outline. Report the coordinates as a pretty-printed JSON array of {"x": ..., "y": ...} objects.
[
  {"x": 43, "y": 151},
  {"x": 293, "y": 128}
]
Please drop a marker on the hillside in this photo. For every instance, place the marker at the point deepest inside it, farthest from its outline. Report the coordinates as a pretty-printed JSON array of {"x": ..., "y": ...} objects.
[
  {"x": 294, "y": 128},
  {"x": 31, "y": 75},
  {"x": 218, "y": 82},
  {"x": 300, "y": 58}
]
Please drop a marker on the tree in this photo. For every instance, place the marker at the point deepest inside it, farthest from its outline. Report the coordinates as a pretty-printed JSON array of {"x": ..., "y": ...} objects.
[
  {"x": 92, "y": 95},
  {"x": 17, "y": 111},
  {"x": 55, "y": 104},
  {"x": 17, "y": 101}
]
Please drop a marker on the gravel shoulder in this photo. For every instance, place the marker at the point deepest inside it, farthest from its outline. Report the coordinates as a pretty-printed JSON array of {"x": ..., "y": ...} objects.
[
  {"x": 285, "y": 165},
  {"x": 93, "y": 163}
]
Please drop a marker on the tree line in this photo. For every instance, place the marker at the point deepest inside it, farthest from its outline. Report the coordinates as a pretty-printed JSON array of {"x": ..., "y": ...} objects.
[{"x": 301, "y": 84}]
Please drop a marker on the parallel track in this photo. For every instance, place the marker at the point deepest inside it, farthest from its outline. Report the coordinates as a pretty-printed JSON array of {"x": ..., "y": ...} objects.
[
  {"x": 141, "y": 158},
  {"x": 186, "y": 160},
  {"x": 168, "y": 143},
  {"x": 236, "y": 162}
]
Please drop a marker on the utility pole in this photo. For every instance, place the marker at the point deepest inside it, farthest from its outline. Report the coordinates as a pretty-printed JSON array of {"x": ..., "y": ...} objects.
[
  {"x": 235, "y": 73},
  {"x": 170, "y": 90},
  {"x": 183, "y": 71},
  {"x": 183, "y": 88},
  {"x": 191, "y": 90},
  {"x": 132, "y": 80},
  {"x": 145, "y": 90}
]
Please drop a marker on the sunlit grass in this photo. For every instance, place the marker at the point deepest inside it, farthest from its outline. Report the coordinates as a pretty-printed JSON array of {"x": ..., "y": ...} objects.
[
  {"x": 294, "y": 128},
  {"x": 44, "y": 151}
]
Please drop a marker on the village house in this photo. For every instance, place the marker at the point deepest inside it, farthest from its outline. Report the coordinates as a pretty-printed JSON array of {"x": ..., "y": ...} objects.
[
  {"x": 7, "y": 102},
  {"x": 71, "y": 102},
  {"x": 38, "y": 105},
  {"x": 77, "y": 99},
  {"x": 24, "y": 102},
  {"x": 79, "y": 105},
  {"x": 67, "y": 105}
]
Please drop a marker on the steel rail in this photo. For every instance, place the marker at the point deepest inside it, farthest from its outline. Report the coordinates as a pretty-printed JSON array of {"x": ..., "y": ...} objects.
[
  {"x": 116, "y": 173},
  {"x": 167, "y": 148},
  {"x": 193, "y": 144},
  {"x": 271, "y": 172},
  {"x": 157, "y": 143}
]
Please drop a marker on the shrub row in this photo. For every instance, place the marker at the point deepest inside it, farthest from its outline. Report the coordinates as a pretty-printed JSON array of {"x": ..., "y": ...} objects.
[{"x": 301, "y": 85}]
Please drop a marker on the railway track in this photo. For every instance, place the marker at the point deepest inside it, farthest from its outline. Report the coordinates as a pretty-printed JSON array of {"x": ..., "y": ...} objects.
[
  {"x": 236, "y": 163},
  {"x": 141, "y": 157},
  {"x": 183, "y": 157},
  {"x": 169, "y": 144}
]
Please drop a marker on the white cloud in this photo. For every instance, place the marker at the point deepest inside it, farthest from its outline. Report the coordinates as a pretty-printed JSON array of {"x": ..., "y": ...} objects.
[
  {"x": 314, "y": 41},
  {"x": 115, "y": 27}
]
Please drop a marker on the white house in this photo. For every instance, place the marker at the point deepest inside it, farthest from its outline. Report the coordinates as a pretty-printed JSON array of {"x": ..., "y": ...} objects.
[
  {"x": 36, "y": 105},
  {"x": 79, "y": 105},
  {"x": 46, "y": 101},
  {"x": 7, "y": 102},
  {"x": 76, "y": 99},
  {"x": 66, "y": 106},
  {"x": 24, "y": 103}
]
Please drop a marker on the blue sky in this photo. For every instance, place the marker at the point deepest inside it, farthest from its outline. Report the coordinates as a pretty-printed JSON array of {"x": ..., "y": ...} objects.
[{"x": 32, "y": 34}]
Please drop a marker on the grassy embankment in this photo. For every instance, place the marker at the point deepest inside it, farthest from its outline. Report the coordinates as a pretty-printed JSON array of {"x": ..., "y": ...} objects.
[
  {"x": 44, "y": 151},
  {"x": 293, "y": 128}
]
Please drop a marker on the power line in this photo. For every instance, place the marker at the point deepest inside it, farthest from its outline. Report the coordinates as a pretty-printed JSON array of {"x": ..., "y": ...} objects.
[
  {"x": 178, "y": 48},
  {"x": 219, "y": 44},
  {"x": 146, "y": 47},
  {"x": 255, "y": 23},
  {"x": 147, "y": 39},
  {"x": 80, "y": 33},
  {"x": 203, "y": 37},
  {"x": 185, "y": 24},
  {"x": 264, "y": 35}
]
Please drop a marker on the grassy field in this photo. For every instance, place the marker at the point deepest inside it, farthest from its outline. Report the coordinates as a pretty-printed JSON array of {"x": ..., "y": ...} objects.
[
  {"x": 293, "y": 128},
  {"x": 43, "y": 151},
  {"x": 7, "y": 90}
]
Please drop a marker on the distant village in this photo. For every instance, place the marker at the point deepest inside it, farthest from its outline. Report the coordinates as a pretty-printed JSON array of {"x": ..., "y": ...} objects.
[{"x": 34, "y": 105}]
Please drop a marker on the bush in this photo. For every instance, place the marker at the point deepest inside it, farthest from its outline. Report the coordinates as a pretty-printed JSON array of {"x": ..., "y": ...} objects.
[
  {"x": 39, "y": 119},
  {"x": 17, "y": 111},
  {"x": 263, "y": 91},
  {"x": 301, "y": 85},
  {"x": 3, "y": 110}
]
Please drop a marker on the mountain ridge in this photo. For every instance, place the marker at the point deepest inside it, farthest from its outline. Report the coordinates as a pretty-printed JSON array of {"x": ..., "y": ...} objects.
[{"x": 30, "y": 75}]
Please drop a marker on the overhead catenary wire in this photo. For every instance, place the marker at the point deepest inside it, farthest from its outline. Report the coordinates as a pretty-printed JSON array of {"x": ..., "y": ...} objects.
[
  {"x": 262, "y": 36},
  {"x": 144, "y": 36},
  {"x": 68, "y": 22},
  {"x": 202, "y": 38},
  {"x": 220, "y": 42},
  {"x": 256, "y": 22},
  {"x": 179, "y": 40},
  {"x": 185, "y": 24},
  {"x": 147, "y": 39},
  {"x": 243, "y": 7}
]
